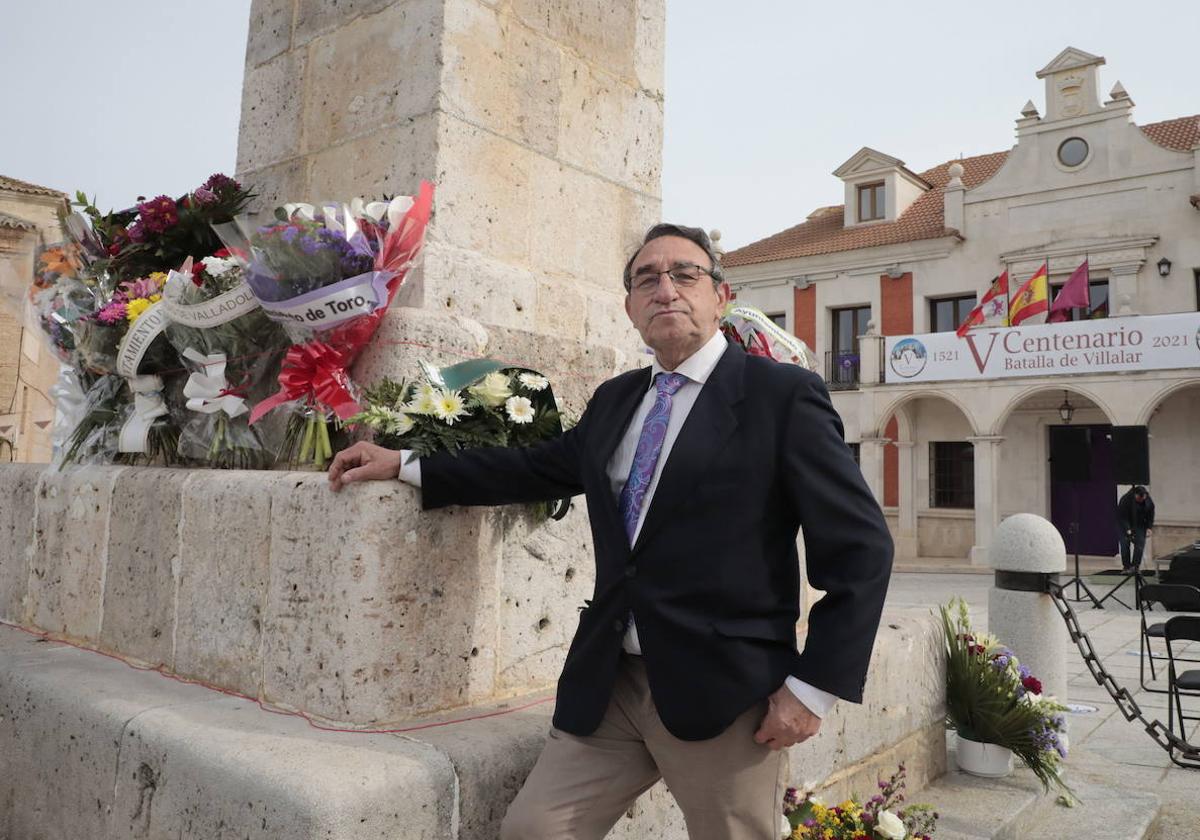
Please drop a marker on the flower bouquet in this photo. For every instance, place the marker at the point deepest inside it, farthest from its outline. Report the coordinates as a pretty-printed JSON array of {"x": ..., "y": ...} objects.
[
  {"x": 58, "y": 298},
  {"x": 758, "y": 335},
  {"x": 232, "y": 352},
  {"x": 472, "y": 404},
  {"x": 328, "y": 275},
  {"x": 991, "y": 698},
  {"x": 880, "y": 818},
  {"x": 126, "y": 256}
]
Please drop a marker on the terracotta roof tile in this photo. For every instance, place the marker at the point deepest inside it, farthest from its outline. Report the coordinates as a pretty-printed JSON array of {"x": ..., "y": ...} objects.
[
  {"x": 1180, "y": 134},
  {"x": 824, "y": 232},
  {"x": 16, "y": 185},
  {"x": 15, "y": 222}
]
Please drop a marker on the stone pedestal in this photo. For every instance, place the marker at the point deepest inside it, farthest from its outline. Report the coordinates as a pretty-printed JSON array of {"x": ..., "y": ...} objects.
[
  {"x": 1027, "y": 621},
  {"x": 540, "y": 123}
]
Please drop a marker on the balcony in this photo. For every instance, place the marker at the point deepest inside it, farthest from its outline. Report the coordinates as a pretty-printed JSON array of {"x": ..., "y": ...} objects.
[{"x": 841, "y": 370}]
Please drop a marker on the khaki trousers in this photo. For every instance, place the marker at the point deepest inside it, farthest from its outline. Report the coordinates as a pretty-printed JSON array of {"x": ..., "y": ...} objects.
[{"x": 728, "y": 787}]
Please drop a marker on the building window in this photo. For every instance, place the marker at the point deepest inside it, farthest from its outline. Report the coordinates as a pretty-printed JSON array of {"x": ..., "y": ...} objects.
[
  {"x": 1073, "y": 151},
  {"x": 841, "y": 363},
  {"x": 951, "y": 474},
  {"x": 945, "y": 314},
  {"x": 779, "y": 319},
  {"x": 870, "y": 202},
  {"x": 1097, "y": 295}
]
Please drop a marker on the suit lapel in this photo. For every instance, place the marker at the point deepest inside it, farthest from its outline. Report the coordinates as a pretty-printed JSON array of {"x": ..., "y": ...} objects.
[{"x": 709, "y": 424}]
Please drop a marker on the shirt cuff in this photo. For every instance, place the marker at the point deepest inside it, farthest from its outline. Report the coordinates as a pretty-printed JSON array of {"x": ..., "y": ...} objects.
[
  {"x": 410, "y": 470},
  {"x": 819, "y": 702}
]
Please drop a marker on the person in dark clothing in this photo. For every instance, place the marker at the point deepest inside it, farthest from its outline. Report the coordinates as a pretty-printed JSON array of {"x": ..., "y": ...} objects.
[{"x": 1135, "y": 515}]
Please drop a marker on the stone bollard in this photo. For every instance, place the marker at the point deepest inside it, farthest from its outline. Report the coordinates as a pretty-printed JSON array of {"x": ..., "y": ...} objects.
[{"x": 1025, "y": 551}]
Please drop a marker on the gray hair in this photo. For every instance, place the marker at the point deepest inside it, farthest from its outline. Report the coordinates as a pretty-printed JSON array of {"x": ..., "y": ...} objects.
[{"x": 692, "y": 234}]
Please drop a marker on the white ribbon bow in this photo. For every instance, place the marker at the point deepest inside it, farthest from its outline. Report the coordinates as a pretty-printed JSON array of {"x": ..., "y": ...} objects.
[
  {"x": 148, "y": 406},
  {"x": 207, "y": 389}
]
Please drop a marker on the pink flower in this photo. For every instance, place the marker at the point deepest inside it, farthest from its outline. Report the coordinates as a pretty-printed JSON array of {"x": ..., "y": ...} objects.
[
  {"x": 136, "y": 232},
  {"x": 114, "y": 313},
  {"x": 158, "y": 214}
]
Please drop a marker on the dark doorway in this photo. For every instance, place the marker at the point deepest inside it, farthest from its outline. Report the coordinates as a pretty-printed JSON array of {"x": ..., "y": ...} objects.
[{"x": 1088, "y": 496}]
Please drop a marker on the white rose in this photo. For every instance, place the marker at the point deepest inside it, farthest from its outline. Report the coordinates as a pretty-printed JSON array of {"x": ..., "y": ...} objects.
[
  {"x": 889, "y": 825},
  {"x": 217, "y": 266},
  {"x": 493, "y": 390}
]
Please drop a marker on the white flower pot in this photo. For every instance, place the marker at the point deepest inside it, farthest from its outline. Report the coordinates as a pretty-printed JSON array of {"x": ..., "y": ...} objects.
[{"x": 988, "y": 760}]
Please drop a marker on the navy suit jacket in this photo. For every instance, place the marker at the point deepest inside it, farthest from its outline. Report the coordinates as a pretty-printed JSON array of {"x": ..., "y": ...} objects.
[{"x": 713, "y": 578}]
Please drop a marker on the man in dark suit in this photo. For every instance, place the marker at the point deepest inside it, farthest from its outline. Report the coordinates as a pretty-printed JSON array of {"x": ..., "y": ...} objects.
[
  {"x": 1135, "y": 516},
  {"x": 698, "y": 472}
]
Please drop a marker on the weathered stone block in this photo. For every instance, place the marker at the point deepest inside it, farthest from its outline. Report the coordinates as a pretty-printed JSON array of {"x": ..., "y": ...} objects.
[
  {"x": 610, "y": 127},
  {"x": 548, "y": 570},
  {"x": 71, "y": 550},
  {"x": 603, "y": 33},
  {"x": 314, "y": 17},
  {"x": 561, "y": 309},
  {"x": 582, "y": 244},
  {"x": 408, "y": 336},
  {"x": 375, "y": 610},
  {"x": 606, "y": 323},
  {"x": 375, "y": 71},
  {"x": 487, "y": 191},
  {"x": 501, "y": 76},
  {"x": 491, "y": 292},
  {"x": 143, "y": 551},
  {"x": 224, "y": 769},
  {"x": 272, "y": 105},
  {"x": 650, "y": 41},
  {"x": 19, "y": 482},
  {"x": 276, "y": 185},
  {"x": 270, "y": 30},
  {"x": 224, "y": 566},
  {"x": 390, "y": 161},
  {"x": 62, "y": 713}
]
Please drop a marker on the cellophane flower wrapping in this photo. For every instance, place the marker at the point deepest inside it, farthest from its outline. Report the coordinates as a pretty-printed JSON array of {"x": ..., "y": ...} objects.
[
  {"x": 125, "y": 257},
  {"x": 328, "y": 275},
  {"x": 232, "y": 353},
  {"x": 758, "y": 335}
]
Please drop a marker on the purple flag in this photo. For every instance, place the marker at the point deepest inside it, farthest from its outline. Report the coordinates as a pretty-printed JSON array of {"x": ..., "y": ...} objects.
[{"x": 1073, "y": 294}]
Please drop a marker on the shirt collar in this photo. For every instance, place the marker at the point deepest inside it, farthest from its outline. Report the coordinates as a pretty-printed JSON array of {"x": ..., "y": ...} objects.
[{"x": 700, "y": 365}]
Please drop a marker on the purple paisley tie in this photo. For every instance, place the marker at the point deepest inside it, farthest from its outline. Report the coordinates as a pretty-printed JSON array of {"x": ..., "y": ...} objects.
[{"x": 645, "y": 458}]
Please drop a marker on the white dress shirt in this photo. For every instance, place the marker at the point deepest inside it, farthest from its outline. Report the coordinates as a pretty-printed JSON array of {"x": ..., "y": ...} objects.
[{"x": 697, "y": 368}]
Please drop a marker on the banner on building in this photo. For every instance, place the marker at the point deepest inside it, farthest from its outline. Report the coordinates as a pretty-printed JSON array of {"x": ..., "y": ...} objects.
[{"x": 1104, "y": 345}]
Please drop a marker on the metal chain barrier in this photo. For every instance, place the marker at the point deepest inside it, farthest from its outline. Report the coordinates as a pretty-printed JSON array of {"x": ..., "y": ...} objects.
[{"x": 1156, "y": 729}]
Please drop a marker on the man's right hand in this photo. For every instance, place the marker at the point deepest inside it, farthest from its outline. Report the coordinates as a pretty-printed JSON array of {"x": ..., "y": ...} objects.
[{"x": 363, "y": 462}]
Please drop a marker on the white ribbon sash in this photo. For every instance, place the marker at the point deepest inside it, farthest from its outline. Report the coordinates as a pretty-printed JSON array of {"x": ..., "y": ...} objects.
[
  {"x": 207, "y": 389},
  {"x": 148, "y": 406}
]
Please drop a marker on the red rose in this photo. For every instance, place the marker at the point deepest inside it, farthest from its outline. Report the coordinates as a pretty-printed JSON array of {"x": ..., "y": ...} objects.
[
  {"x": 198, "y": 272},
  {"x": 1032, "y": 683}
]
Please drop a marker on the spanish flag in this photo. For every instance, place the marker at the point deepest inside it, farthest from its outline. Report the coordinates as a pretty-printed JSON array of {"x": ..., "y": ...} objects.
[{"x": 1033, "y": 298}]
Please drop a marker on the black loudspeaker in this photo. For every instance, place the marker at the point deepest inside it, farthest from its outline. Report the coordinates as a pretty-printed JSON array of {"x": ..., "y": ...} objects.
[
  {"x": 1070, "y": 453},
  {"x": 1131, "y": 454}
]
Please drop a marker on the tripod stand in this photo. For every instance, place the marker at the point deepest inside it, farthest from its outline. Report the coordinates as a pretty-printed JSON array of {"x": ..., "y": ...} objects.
[{"x": 1077, "y": 579}]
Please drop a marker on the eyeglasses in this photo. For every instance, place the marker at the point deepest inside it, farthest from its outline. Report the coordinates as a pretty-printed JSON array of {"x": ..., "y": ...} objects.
[{"x": 683, "y": 276}]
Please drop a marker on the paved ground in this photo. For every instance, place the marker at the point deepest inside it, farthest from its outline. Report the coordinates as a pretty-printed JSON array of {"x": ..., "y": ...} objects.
[{"x": 1111, "y": 745}]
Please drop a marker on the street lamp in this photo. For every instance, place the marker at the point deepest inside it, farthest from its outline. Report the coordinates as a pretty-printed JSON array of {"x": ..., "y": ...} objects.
[
  {"x": 1066, "y": 411},
  {"x": 1164, "y": 267}
]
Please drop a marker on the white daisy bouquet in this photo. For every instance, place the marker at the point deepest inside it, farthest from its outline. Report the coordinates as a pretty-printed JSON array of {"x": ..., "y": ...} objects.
[{"x": 472, "y": 404}]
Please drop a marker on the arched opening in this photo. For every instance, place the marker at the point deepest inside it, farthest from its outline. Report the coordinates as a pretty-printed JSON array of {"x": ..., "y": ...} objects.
[
  {"x": 1055, "y": 459},
  {"x": 1174, "y": 450},
  {"x": 929, "y": 476}
]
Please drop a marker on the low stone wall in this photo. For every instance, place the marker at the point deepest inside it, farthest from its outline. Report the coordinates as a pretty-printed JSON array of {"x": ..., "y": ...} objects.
[
  {"x": 354, "y": 606},
  {"x": 91, "y": 748}
]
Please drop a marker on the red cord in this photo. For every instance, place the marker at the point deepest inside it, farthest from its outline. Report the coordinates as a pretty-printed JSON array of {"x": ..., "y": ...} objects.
[{"x": 161, "y": 671}]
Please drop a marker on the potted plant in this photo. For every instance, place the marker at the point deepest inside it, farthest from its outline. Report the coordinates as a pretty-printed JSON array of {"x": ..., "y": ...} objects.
[{"x": 997, "y": 707}]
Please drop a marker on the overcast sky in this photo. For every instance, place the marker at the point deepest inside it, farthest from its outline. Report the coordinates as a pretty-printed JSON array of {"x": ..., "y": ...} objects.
[{"x": 764, "y": 98}]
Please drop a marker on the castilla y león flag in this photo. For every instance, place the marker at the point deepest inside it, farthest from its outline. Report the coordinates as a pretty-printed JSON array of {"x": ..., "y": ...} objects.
[
  {"x": 1073, "y": 294},
  {"x": 1033, "y": 298},
  {"x": 992, "y": 311}
]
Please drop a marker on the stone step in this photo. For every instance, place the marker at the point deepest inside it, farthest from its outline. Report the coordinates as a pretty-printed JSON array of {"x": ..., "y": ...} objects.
[{"x": 1016, "y": 808}]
